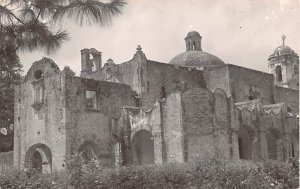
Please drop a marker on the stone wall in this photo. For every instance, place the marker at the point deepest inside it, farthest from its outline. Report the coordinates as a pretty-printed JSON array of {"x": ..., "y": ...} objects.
[
  {"x": 162, "y": 79},
  {"x": 39, "y": 114},
  {"x": 218, "y": 77},
  {"x": 198, "y": 107},
  {"x": 245, "y": 83},
  {"x": 288, "y": 96},
  {"x": 94, "y": 125},
  {"x": 6, "y": 161},
  {"x": 173, "y": 128}
]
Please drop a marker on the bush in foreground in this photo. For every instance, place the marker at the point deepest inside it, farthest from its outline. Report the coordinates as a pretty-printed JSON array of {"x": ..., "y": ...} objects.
[{"x": 201, "y": 174}]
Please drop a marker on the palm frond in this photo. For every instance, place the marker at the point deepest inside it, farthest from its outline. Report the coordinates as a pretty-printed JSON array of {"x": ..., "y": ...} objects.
[
  {"x": 88, "y": 12},
  {"x": 35, "y": 35},
  {"x": 27, "y": 14},
  {"x": 53, "y": 42},
  {"x": 5, "y": 14}
]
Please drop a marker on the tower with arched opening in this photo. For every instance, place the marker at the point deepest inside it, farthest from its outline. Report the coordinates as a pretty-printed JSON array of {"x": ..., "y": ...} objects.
[{"x": 284, "y": 65}]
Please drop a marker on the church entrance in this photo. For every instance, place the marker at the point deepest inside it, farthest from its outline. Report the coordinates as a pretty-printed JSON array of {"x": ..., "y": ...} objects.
[
  {"x": 39, "y": 158},
  {"x": 143, "y": 148}
]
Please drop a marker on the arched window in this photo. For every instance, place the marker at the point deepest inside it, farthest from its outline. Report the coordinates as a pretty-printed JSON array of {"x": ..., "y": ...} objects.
[
  {"x": 38, "y": 94},
  {"x": 194, "y": 45},
  {"x": 278, "y": 71}
]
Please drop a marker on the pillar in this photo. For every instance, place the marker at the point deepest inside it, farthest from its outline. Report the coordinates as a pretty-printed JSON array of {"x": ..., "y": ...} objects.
[
  {"x": 235, "y": 144},
  {"x": 263, "y": 143}
]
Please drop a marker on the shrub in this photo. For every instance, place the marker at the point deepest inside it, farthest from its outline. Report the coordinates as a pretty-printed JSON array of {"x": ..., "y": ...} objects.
[{"x": 212, "y": 173}]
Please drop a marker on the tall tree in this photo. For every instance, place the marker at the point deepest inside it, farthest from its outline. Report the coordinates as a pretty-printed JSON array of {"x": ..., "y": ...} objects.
[
  {"x": 28, "y": 25},
  {"x": 32, "y": 23},
  {"x": 10, "y": 75}
]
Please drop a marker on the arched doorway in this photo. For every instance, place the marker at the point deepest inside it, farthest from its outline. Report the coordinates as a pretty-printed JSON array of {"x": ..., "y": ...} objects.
[
  {"x": 245, "y": 142},
  {"x": 143, "y": 147},
  {"x": 273, "y": 144},
  {"x": 39, "y": 157},
  {"x": 88, "y": 150}
]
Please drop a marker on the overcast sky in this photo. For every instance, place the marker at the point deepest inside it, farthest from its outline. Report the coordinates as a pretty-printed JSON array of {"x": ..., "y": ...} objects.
[{"x": 241, "y": 32}]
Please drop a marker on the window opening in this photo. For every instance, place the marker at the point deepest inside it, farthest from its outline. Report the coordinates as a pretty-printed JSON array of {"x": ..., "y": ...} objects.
[
  {"x": 163, "y": 92},
  {"x": 38, "y": 74},
  {"x": 278, "y": 70},
  {"x": 38, "y": 94},
  {"x": 91, "y": 100}
]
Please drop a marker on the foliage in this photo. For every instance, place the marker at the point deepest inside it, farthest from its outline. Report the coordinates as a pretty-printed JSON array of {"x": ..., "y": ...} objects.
[
  {"x": 30, "y": 179},
  {"x": 31, "y": 23},
  {"x": 211, "y": 173},
  {"x": 10, "y": 75}
]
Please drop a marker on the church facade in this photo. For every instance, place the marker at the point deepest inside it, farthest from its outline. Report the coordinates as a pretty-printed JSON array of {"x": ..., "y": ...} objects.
[{"x": 143, "y": 111}]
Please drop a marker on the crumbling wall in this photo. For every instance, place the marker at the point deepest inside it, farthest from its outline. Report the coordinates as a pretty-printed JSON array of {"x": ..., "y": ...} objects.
[
  {"x": 163, "y": 79},
  {"x": 222, "y": 125},
  {"x": 173, "y": 128},
  {"x": 94, "y": 125},
  {"x": 218, "y": 77},
  {"x": 288, "y": 96},
  {"x": 42, "y": 121},
  {"x": 247, "y": 84},
  {"x": 198, "y": 105}
]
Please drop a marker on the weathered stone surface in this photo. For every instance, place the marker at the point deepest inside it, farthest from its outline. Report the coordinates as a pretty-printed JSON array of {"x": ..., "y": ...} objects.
[{"x": 143, "y": 111}]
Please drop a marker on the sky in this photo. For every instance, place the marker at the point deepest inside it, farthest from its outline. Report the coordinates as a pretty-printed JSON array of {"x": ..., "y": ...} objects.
[{"x": 240, "y": 32}]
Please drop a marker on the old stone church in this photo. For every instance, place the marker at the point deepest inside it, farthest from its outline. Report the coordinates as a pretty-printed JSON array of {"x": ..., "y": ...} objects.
[{"x": 144, "y": 111}]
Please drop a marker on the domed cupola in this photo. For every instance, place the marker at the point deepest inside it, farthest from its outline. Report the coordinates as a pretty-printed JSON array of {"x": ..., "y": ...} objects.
[
  {"x": 193, "y": 41},
  {"x": 194, "y": 56},
  {"x": 284, "y": 64}
]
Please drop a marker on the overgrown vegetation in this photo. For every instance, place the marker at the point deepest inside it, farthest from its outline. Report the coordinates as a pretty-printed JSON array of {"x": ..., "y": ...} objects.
[
  {"x": 201, "y": 174},
  {"x": 10, "y": 75}
]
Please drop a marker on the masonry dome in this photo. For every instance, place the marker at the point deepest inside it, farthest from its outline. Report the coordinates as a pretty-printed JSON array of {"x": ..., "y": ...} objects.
[
  {"x": 194, "y": 56},
  {"x": 193, "y": 33},
  {"x": 283, "y": 49},
  {"x": 196, "y": 59}
]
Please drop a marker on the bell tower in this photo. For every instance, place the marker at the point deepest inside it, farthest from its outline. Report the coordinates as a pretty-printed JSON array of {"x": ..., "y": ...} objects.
[
  {"x": 193, "y": 41},
  {"x": 284, "y": 65}
]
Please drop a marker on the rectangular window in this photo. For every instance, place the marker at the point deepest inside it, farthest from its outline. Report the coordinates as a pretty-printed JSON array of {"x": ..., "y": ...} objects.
[
  {"x": 38, "y": 94},
  {"x": 91, "y": 99}
]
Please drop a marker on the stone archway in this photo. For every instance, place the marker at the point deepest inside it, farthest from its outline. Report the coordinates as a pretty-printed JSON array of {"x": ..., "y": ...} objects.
[
  {"x": 39, "y": 157},
  {"x": 143, "y": 147},
  {"x": 88, "y": 150}
]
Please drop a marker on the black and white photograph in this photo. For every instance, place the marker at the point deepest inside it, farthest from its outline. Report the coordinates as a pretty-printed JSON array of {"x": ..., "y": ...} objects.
[{"x": 149, "y": 94}]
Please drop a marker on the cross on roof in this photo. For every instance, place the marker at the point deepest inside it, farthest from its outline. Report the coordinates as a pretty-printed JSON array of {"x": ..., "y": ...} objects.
[{"x": 283, "y": 39}]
